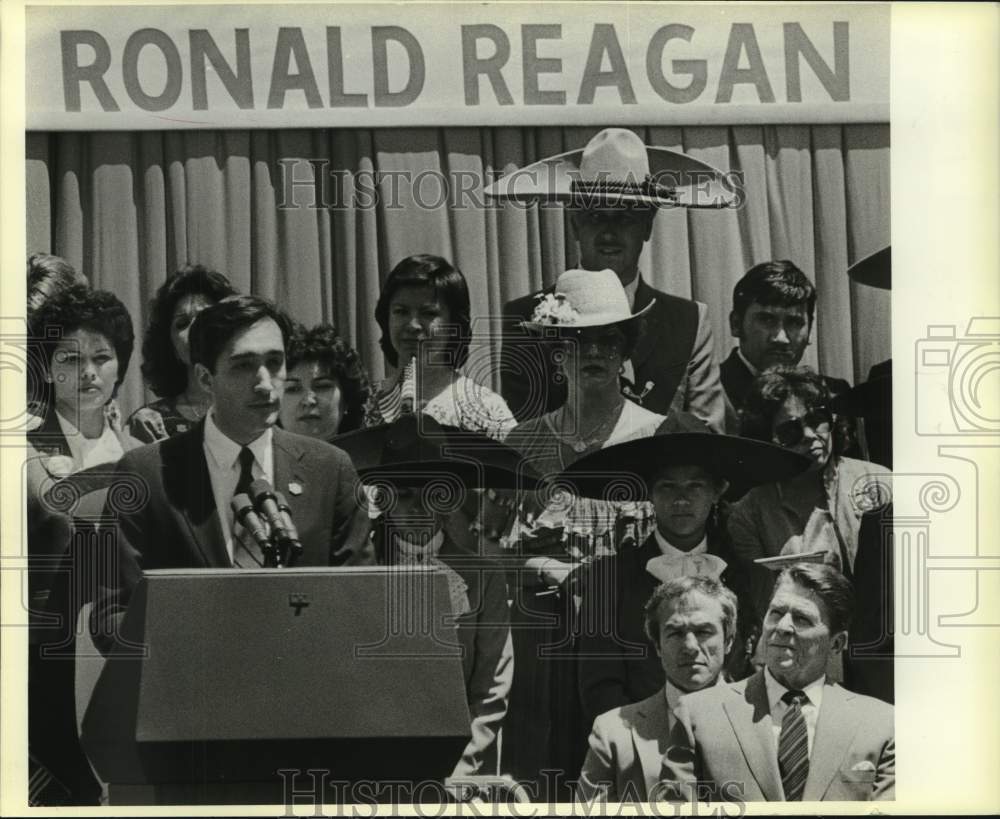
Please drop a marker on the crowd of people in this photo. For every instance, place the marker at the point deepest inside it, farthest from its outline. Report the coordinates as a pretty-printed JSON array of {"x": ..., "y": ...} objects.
[{"x": 688, "y": 536}]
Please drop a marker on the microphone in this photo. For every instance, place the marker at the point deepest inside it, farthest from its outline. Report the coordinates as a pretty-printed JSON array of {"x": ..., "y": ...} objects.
[
  {"x": 293, "y": 533},
  {"x": 243, "y": 510},
  {"x": 267, "y": 503}
]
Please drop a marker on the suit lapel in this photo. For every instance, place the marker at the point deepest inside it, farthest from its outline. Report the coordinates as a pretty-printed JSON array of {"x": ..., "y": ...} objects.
[
  {"x": 197, "y": 501},
  {"x": 834, "y": 731},
  {"x": 756, "y": 736},
  {"x": 650, "y": 737},
  {"x": 646, "y": 342},
  {"x": 289, "y": 475}
]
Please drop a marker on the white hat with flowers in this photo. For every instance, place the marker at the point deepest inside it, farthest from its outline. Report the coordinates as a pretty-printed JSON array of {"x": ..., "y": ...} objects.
[{"x": 584, "y": 298}]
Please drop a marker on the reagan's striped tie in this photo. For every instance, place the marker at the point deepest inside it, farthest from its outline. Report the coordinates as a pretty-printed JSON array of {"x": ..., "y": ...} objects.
[{"x": 793, "y": 747}]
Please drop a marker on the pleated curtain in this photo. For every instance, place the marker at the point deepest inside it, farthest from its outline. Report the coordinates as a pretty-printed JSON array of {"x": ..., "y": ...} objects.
[{"x": 293, "y": 215}]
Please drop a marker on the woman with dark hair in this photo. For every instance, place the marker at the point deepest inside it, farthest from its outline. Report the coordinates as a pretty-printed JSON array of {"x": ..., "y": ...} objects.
[
  {"x": 818, "y": 513},
  {"x": 48, "y": 276},
  {"x": 327, "y": 386},
  {"x": 424, "y": 315},
  {"x": 81, "y": 344},
  {"x": 166, "y": 359}
]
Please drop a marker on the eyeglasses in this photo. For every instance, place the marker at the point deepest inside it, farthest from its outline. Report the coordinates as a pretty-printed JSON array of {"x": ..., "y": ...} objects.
[{"x": 791, "y": 432}]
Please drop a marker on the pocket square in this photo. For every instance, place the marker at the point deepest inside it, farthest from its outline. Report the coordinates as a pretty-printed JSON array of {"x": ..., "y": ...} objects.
[{"x": 863, "y": 765}]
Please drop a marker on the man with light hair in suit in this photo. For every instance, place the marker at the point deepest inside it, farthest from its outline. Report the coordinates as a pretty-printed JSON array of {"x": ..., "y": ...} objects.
[{"x": 786, "y": 734}]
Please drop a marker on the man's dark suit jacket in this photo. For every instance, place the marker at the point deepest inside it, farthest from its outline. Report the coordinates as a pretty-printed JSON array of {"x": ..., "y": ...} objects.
[
  {"x": 737, "y": 381},
  {"x": 177, "y": 526},
  {"x": 674, "y": 354},
  {"x": 617, "y": 663}
]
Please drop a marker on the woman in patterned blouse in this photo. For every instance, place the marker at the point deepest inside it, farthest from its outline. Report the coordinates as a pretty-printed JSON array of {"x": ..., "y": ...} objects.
[{"x": 424, "y": 315}]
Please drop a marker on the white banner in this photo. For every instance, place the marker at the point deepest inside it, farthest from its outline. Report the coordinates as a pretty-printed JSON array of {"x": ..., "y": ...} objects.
[{"x": 346, "y": 65}]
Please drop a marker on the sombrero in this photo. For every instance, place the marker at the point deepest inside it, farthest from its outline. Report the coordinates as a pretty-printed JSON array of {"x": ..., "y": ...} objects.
[
  {"x": 741, "y": 461},
  {"x": 617, "y": 169},
  {"x": 416, "y": 450},
  {"x": 874, "y": 270}
]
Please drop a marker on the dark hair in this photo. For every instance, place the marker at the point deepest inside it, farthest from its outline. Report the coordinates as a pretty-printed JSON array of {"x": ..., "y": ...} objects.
[
  {"x": 322, "y": 345},
  {"x": 679, "y": 587},
  {"x": 449, "y": 285},
  {"x": 80, "y": 308},
  {"x": 164, "y": 372},
  {"x": 829, "y": 585},
  {"x": 776, "y": 385},
  {"x": 47, "y": 277},
  {"x": 217, "y": 324},
  {"x": 775, "y": 284}
]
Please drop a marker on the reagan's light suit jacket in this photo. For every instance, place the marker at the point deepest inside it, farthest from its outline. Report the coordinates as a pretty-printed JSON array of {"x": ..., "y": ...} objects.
[{"x": 724, "y": 736}]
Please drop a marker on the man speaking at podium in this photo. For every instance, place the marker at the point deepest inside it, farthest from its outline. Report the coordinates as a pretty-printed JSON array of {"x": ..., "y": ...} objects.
[{"x": 238, "y": 350}]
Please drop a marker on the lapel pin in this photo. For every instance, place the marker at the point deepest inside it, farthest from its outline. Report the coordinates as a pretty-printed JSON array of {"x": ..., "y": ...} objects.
[{"x": 295, "y": 488}]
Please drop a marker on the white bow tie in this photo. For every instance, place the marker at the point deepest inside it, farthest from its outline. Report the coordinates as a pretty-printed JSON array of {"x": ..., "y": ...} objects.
[{"x": 665, "y": 568}]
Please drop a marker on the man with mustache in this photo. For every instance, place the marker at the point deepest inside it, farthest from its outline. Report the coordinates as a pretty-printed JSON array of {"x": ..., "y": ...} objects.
[
  {"x": 772, "y": 317},
  {"x": 787, "y": 733},
  {"x": 612, "y": 203},
  {"x": 238, "y": 352}
]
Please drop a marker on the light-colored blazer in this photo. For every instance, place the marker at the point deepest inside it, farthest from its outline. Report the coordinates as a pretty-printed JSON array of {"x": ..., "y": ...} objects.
[
  {"x": 627, "y": 745},
  {"x": 725, "y": 736}
]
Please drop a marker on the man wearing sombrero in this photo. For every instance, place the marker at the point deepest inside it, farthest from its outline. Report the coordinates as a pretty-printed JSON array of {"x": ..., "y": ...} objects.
[{"x": 613, "y": 187}]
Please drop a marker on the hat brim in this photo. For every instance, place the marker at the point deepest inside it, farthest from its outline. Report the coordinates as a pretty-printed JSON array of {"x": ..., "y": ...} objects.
[
  {"x": 874, "y": 270},
  {"x": 741, "y": 461},
  {"x": 584, "y": 322},
  {"x": 683, "y": 181},
  {"x": 401, "y": 454}
]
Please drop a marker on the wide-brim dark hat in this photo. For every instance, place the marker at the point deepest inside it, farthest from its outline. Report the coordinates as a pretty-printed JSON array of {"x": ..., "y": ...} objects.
[
  {"x": 617, "y": 169},
  {"x": 874, "y": 270},
  {"x": 416, "y": 450},
  {"x": 871, "y": 398},
  {"x": 628, "y": 469}
]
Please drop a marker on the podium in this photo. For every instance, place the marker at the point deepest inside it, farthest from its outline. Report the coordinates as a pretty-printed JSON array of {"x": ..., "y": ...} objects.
[{"x": 253, "y": 686}]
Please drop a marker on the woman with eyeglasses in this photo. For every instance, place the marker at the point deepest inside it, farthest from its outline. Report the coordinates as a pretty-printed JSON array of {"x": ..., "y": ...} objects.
[{"x": 816, "y": 514}]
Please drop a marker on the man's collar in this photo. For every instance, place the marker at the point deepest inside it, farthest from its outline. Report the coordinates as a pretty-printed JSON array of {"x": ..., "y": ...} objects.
[
  {"x": 671, "y": 551},
  {"x": 224, "y": 450},
  {"x": 775, "y": 690},
  {"x": 673, "y": 693},
  {"x": 753, "y": 370}
]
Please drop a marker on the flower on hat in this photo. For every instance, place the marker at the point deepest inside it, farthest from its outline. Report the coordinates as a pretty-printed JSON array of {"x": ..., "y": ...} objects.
[{"x": 553, "y": 308}]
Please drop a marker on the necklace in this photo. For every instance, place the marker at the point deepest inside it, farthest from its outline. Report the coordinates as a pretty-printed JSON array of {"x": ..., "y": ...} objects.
[{"x": 581, "y": 443}]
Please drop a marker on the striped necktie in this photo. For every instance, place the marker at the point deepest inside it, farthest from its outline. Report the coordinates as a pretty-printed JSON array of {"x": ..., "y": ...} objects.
[
  {"x": 246, "y": 552},
  {"x": 793, "y": 747}
]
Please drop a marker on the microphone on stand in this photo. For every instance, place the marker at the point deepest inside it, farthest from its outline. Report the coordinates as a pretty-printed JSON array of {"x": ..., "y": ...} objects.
[
  {"x": 267, "y": 504},
  {"x": 293, "y": 534},
  {"x": 244, "y": 512}
]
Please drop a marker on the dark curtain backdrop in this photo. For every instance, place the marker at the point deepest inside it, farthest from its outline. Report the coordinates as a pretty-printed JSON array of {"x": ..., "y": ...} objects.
[{"x": 128, "y": 208}]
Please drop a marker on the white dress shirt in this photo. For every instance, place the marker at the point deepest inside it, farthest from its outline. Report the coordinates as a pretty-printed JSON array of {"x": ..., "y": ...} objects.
[
  {"x": 222, "y": 456},
  {"x": 87, "y": 452},
  {"x": 810, "y": 708},
  {"x": 630, "y": 289}
]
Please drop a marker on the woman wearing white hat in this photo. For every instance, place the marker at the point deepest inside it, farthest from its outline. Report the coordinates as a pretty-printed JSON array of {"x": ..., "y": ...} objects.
[{"x": 588, "y": 316}]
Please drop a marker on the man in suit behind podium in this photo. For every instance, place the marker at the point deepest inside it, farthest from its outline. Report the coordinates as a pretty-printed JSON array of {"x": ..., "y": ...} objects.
[
  {"x": 238, "y": 348},
  {"x": 786, "y": 734}
]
